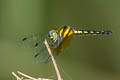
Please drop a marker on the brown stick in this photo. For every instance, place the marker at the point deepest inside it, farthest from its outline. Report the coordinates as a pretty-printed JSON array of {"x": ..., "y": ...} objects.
[
  {"x": 18, "y": 78},
  {"x": 53, "y": 60}
]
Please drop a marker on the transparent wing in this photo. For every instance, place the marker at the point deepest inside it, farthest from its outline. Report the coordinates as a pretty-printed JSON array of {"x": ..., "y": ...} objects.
[{"x": 35, "y": 42}]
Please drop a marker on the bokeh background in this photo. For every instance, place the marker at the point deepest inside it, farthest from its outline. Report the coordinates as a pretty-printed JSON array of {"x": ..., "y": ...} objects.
[{"x": 87, "y": 58}]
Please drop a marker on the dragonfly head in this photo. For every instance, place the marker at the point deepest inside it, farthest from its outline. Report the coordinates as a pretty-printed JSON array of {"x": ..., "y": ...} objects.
[{"x": 53, "y": 35}]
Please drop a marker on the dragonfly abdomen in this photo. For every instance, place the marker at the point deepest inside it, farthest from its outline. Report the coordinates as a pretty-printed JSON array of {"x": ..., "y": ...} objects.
[{"x": 92, "y": 32}]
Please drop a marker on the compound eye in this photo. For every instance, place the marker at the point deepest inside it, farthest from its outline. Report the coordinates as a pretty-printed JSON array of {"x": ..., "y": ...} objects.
[{"x": 54, "y": 33}]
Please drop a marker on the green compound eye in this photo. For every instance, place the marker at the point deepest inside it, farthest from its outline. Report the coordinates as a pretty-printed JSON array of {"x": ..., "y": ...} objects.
[{"x": 54, "y": 33}]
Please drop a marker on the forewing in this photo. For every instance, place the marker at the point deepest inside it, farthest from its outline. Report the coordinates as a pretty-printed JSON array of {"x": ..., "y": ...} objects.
[{"x": 35, "y": 43}]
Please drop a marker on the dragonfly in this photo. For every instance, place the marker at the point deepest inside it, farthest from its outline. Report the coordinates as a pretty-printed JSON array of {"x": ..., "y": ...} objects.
[{"x": 58, "y": 39}]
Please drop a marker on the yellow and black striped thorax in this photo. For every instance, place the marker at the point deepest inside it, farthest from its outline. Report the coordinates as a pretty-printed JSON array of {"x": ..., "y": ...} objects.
[{"x": 65, "y": 31}]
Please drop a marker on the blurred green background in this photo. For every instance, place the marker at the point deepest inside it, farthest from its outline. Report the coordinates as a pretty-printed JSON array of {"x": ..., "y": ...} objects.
[{"x": 87, "y": 58}]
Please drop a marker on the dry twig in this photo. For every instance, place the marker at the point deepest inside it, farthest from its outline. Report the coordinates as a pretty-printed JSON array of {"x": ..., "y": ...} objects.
[
  {"x": 53, "y": 60},
  {"x": 28, "y": 77}
]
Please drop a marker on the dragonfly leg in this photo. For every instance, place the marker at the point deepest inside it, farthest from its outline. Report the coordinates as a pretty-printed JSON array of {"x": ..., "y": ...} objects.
[{"x": 48, "y": 58}]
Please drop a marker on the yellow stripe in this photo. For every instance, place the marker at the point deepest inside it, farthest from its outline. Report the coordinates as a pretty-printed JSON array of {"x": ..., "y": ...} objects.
[
  {"x": 86, "y": 32},
  {"x": 97, "y": 32},
  {"x": 91, "y": 32},
  {"x": 70, "y": 33},
  {"x": 66, "y": 31},
  {"x": 60, "y": 32},
  {"x": 79, "y": 32},
  {"x": 102, "y": 31},
  {"x": 75, "y": 31}
]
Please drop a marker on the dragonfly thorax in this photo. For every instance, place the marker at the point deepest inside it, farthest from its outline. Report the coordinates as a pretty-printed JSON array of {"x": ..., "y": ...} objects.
[{"x": 53, "y": 35}]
